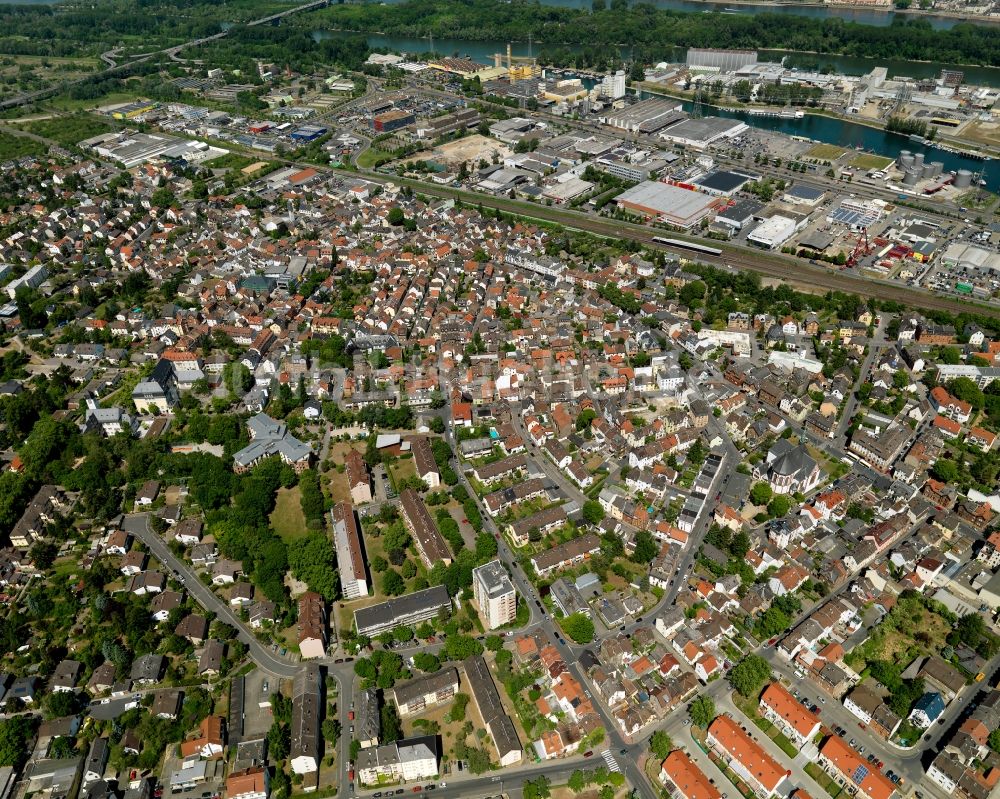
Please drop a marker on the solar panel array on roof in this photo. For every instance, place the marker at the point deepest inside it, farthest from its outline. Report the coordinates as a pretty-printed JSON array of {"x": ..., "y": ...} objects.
[
  {"x": 859, "y": 774},
  {"x": 849, "y": 216}
]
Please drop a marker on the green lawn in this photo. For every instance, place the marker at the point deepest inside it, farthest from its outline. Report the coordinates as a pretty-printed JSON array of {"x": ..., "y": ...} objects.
[
  {"x": 287, "y": 519},
  {"x": 372, "y": 158},
  {"x": 825, "y": 152},
  {"x": 823, "y": 780},
  {"x": 869, "y": 161}
]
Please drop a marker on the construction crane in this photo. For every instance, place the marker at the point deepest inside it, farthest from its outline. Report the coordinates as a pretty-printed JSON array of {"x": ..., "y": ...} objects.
[{"x": 862, "y": 248}]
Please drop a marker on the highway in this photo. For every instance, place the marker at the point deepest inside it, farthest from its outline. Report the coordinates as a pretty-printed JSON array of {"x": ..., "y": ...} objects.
[{"x": 171, "y": 52}]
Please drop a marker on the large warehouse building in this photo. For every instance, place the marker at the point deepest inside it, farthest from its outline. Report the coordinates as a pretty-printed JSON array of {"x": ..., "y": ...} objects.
[
  {"x": 773, "y": 232},
  {"x": 646, "y": 116},
  {"x": 672, "y": 204},
  {"x": 700, "y": 133}
]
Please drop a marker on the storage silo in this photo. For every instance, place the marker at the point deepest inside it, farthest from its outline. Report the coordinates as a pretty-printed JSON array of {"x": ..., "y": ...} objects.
[
  {"x": 963, "y": 179},
  {"x": 905, "y": 159},
  {"x": 928, "y": 171},
  {"x": 911, "y": 176},
  {"x": 938, "y": 168},
  {"x": 918, "y": 161}
]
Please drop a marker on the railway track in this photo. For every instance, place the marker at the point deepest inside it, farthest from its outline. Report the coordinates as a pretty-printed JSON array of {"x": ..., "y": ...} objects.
[{"x": 766, "y": 264}]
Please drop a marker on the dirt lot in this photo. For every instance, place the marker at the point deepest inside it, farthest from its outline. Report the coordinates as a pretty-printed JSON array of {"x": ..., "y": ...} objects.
[
  {"x": 449, "y": 730},
  {"x": 471, "y": 148},
  {"x": 985, "y": 132}
]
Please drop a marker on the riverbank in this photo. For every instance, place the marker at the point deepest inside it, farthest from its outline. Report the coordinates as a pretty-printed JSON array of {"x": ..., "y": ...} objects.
[
  {"x": 868, "y": 9},
  {"x": 961, "y": 145}
]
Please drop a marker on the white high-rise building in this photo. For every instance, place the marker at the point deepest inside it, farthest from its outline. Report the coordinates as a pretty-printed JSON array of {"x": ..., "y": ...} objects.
[
  {"x": 613, "y": 86},
  {"x": 495, "y": 594}
]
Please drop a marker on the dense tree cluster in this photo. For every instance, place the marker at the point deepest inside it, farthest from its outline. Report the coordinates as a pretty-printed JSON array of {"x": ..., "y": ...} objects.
[{"x": 656, "y": 34}]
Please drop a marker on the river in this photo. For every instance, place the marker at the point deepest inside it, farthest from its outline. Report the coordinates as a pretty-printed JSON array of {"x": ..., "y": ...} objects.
[
  {"x": 849, "y": 134},
  {"x": 866, "y": 16},
  {"x": 843, "y": 65},
  {"x": 821, "y": 128}
]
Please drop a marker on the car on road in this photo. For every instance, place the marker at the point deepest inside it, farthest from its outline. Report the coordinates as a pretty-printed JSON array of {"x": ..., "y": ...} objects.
[
  {"x": 589, "y": 753},
  {"x": 417, "y": 788}
]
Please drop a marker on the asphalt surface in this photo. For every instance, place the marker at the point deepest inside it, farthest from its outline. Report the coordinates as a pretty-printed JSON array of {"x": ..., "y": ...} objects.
[{"x": 138, "y": 525}]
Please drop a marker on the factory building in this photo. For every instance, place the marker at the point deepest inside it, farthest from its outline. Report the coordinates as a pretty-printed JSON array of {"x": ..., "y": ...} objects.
[{"x": 392, "y": 120}]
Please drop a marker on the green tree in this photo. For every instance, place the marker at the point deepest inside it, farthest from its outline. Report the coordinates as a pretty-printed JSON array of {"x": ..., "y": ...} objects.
[
  {"x": 749, "y": 675},
  {"x": 779, "y": 506},
  {"x": 311, "y": 560},
  {"x": 459, "y": 647},
  {"x": 458, "y": 707},
  {"x": 392, "y": 583},
  {"x": 593, "y": 512},
  {"x": 660, "y": 744},
  {"x": 646, "y": 547},
  {"x": 427, "y": 662},
  {"x": 702, "y": 711},
  {"x": 392, "y": 727},
  {"x": 965, "y": 389},
  {"x": 537, "y": 788},
  {"x": 761, "y": 494},
  {"x": 15, "y": 735},
  {"x": 396, "y": 216},
  {"x": 945, "y": 470},
  {"x": 279, "y": 741},
  {"x": 578, "y": 627}
]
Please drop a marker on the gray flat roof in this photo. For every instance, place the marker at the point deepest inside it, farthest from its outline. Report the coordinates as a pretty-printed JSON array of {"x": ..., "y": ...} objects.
[{"x": 665, "y": 199}]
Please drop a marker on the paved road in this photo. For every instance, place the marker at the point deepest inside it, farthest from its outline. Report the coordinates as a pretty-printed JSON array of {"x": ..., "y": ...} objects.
[
  {"x": 874, "y": 349},
  {"x": 138, "y": 525}
]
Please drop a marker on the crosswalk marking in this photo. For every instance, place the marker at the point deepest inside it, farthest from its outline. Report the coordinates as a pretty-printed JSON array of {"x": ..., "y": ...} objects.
[{"x": 609, "y": 759}]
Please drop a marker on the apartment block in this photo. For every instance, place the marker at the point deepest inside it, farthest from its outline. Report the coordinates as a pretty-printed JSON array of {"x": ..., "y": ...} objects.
[{"x": 495, "y": 594}]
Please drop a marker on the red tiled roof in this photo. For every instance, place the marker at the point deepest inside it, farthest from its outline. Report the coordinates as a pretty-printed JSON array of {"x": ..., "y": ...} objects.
[{"x": 690, "y": 780}]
